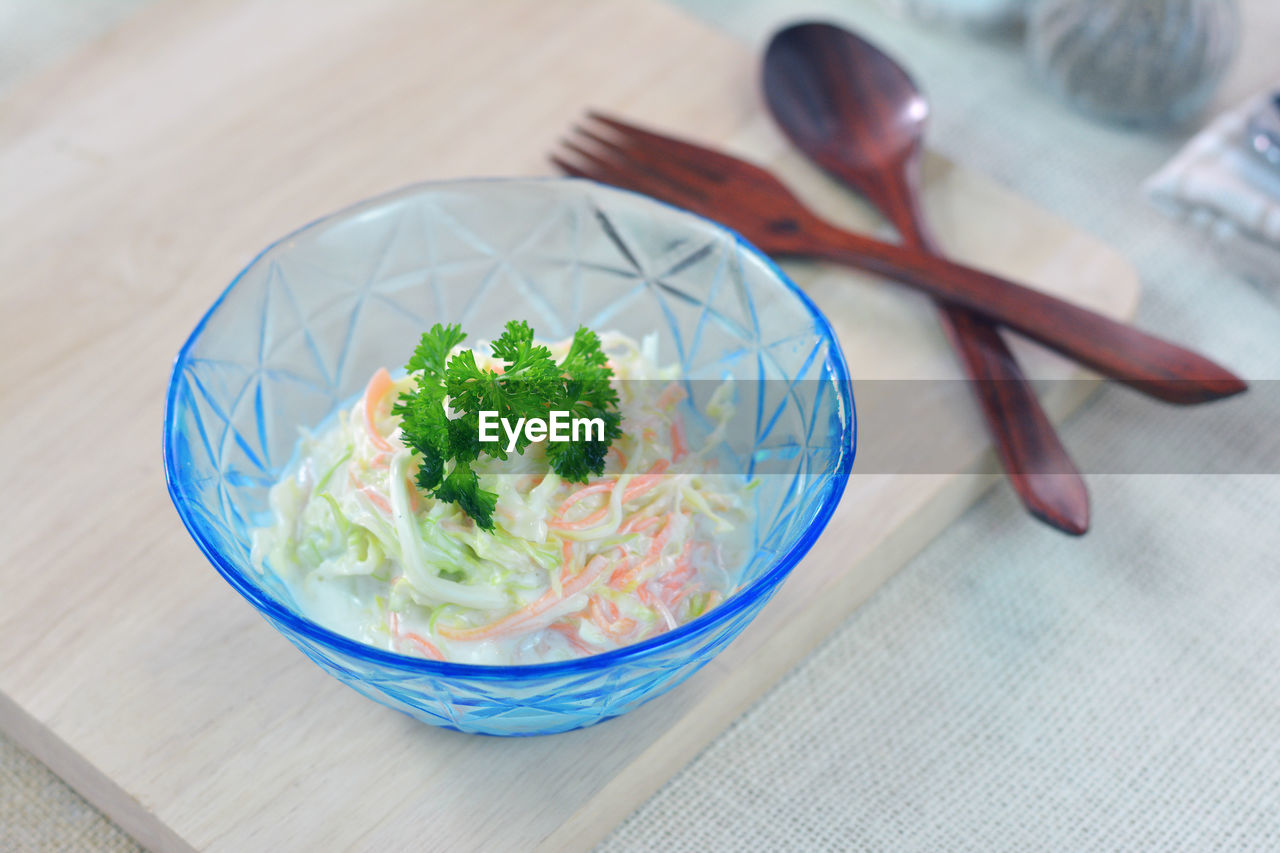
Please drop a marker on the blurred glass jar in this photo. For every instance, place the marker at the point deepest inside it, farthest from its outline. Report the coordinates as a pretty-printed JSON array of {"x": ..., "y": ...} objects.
[
  {"x": 1138, "y": 62},
  {"x": 975, "y": 14}
]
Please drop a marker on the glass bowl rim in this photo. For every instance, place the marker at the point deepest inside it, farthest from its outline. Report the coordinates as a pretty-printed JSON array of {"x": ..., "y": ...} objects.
[{"x": 722, "y": 613}]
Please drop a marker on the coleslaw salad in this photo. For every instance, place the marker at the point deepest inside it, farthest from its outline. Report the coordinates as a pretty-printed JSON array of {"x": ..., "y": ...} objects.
[{"x": 570, "y": 570}]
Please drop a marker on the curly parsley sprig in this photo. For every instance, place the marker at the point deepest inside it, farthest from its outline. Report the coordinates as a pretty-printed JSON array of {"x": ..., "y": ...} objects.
[{"x": 440, "y": 419}]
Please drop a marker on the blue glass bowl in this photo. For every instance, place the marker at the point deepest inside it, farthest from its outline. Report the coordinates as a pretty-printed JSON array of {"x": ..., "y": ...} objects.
[{"x": 300, "y": 330}]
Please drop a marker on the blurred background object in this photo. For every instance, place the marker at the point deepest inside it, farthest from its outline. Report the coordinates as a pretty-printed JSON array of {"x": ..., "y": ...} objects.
[
  {"x": 1264, "y": 128},
  {"x": 1139, "y": 62},
  {"x": 1225, "y": 183},
  {"x": 976, "y": 14}
]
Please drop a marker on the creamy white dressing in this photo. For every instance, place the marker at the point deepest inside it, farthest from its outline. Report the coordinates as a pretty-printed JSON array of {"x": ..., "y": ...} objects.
[{"x": 571, "y": 568}]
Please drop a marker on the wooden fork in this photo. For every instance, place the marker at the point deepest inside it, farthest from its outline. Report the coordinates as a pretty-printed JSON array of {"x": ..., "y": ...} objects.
[{"x": 753, "y": 202}]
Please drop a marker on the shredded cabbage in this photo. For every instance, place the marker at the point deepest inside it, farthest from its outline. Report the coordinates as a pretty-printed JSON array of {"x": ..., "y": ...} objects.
[{"x": 570, "y": 569}]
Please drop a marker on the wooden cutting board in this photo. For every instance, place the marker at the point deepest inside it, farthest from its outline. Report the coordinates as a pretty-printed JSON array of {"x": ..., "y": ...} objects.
[{"x": 141, "y": 176}]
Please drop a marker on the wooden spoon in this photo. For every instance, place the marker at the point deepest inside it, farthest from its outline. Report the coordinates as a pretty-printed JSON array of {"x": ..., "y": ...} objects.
[{"x": 858, "y": 114}]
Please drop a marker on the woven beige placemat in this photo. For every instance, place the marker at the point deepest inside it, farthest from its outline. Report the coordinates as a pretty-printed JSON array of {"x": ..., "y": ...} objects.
[{"x": 39, "y": 812}]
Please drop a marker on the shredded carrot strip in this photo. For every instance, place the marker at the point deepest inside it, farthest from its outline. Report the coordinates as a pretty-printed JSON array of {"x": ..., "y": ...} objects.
[
  {"x": 639, "y": 524},
  {"x": 379, "y": 385},
  {"x": 655, "y": 554},
  {"x": 393, "y": 625},
  {"x": 627, "y": 575},
  {"x": 622, "y": 578},
  {"x": 594, "y": 568},
  {"x": 645, "y": 481},
  {"x": 376, "y": 499},
  {"x": 671, "y": 395},
  {"x": 609, "y": 622},
  {"x": 618, "y": 580},
  {"x": 636, "y": 488},
  {"x": 675, "y": 579},
  {"x": 571, "y": 635},
  {"x": 427, "y": 646},
  {"x": 597, "y": 614},
  {"x": 622, "y": 457},
  {"x": 685, "y": 553},
  {"x": 603, "y": 612},
  {"x": 660, "y": 541},
  {"x": 593, "y": 489},
  {"x": 566, "y": 552},
  {"x": 679, "y": 447}
]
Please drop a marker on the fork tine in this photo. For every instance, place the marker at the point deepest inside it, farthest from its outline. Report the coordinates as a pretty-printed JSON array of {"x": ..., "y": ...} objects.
[
  {"x": 604, "y": 169},
  {"x": 711, "y": 163},
  {"x": 595, "y": 168},
  {"x": 627, "y": 175},
  {"x": 630, "y": 151},
  {"x": 569, "y": 168}
]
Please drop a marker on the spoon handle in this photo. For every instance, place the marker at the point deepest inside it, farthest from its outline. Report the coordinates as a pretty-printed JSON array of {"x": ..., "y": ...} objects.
[
  {"x": 1147, "y": 363},
  {"x": 1030, "y": 451},
  {"x": 1037, "y": 465}
]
